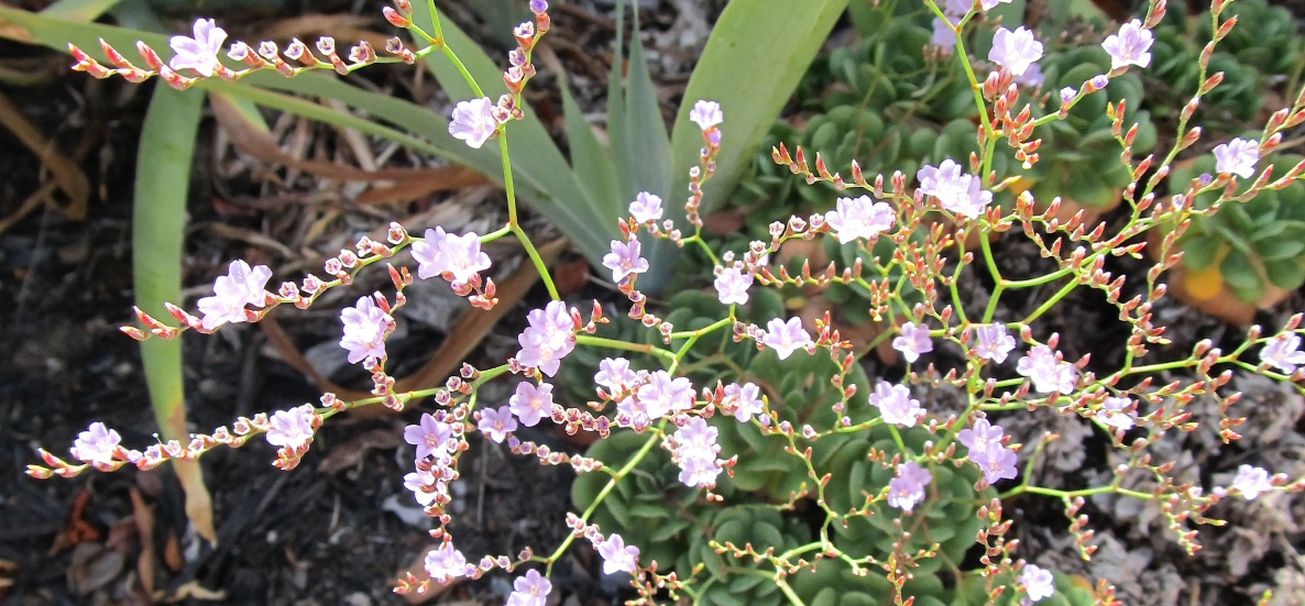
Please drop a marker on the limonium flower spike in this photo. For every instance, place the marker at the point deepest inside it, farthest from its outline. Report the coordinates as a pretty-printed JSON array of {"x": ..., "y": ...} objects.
[
  {"x": 1131, "y": 46},
  {"x": 199, "y": 52},
  {"x": 860, "y": 218},
  {"x": 473, "y": 122},
  {"x": 97, "y": 444},
  {"x": 617, "y": 556},
  {"x": 365, "y": 325},
  {"x": 906, "y": 489},
  {"x": 241, "y": 287},
  {"x": 1037, "y": 582},
  {"x": 732, "y": 286},
  {"x": 1237, "y": 157},
  {"x": 1016, "y": 51},
  {"x": 913, "y": 341},
  {"x": 1283, "y": 353},
  {"x": 706, "y": 114},
  {"x": 786, "y": 337}
]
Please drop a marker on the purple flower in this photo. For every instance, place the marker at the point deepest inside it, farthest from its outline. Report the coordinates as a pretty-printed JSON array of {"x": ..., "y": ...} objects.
[
  {"x": 365, "y": 326},
  {"x": 646, "y": 208},
  {"x": 456, "y": 258},
  {"x": 97, "y": 444},
  {"x": 990, "y": 4},
  {"x": 1015, "y": 51},
  {"x": 291, "y": 428},
  {"x": 1283, "y": 352},
  {"x": 742, "y": 401},
  {"x": 231, "y": 293},
  {"x": 425, "y": 487},
  {"x": 530, "y": 590},
  {"x": 497, "y": 423},
  {"x": 1038, "y": 583},
  {"x": 615, "y": 374},
  {"x": 706, "y": 114},
  {"x": 732, "y": 286},
  {"x": 474, "y": 122},
  {"x": 1067, "y": 94},
  {"x": 1251, "y": 482},
  {"x": 1114, "y": 413},
  {"x": 617, "y": 556},
  {"x": 895, "y": 404},
  {"x": 431, "y": 437},
  {"x": 993, "y": 342},
  {"x": 1237, "y": 157},
  {"x": 944, "y": 37},
  {"x": 860, "y": 217},
  {"x": 785, "y": 337},
  {"x": 1049, "y": 374},
  {"x": 549, "y": 337},
  {"x": 199, "y": 53},
  {"x": 531, "y": 402},
  {"x": 695, "y": 451},
  {"x": 907, "y": 488},
  {"x": 538, "y": 6},
  {"x": 982, "y": 436},
  {"x": 1131, "y": 46},
  {"x": 913, "y": 341},
  {"x": 663, "y": 394},
  {"x": 956, "y": 191},
  {"x": 624, "y": 260},
  {"x": 445, "y": 563},
  {"x": 1099, "y": 82}
]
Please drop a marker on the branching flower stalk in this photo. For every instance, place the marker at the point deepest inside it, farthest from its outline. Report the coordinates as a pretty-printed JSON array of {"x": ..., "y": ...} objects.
[{"x": 909, "y": 462}]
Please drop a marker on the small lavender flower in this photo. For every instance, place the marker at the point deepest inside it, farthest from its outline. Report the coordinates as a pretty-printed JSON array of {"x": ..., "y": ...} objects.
[
  {"x": 365, "y": 325},
  {"x": 538, "y": 6},
  {"x": 895, "y": 404},
  {"x": 956, "y": 191},
  {"x": 97, "y": 444},
  {"x": 913, "y": 341},
  {"x": 199, "y": 53},
  {"x": 646, "y": 208},
  {"x": 1283, "y": 352},
  {"x": 425, "y": 487},
  {"x": 1067, "y": 94},
  {"x": 617, "y": 556},
  {"x": 291, "y": 428},
  {"x": 785, "y": 337},
  {"x": 943, "y": 37},
  {"x": 695, "y": 452},
  {"x": 474, "y": 122},
  {"x": 1037, "y": 582},
  {"x": 993, "y": 342},
  {"x": 860, "y": 217},
  {"x": 995, "y": 460},
  {"x": 732, "y": 286},
  {"x": 455, "y": 257},
  {"x": 445, "y": 563},
  {"x": 533, "y": 588},
  {"x": 1015, "y": 51},
  {"x": 531, "y": 402},
  {"x": 1032, "y": 77},
  {"x": 1237, "y": 157},
  {"x": 1113, "y": 413},
  {"x": 549, "y": 337},
  {"x": 991, "y": 4},
  {"x": 497, "y": 423},
  {"x": 242, "y": 286},
  {"x": 1099, "y": 81},
  {"x": 906, "y": 489},
  {"x": 615, "y": 374},
  {"x": 624, "y": 260},
  {"x": 1251, "y": 482},
  {"x": 664, "y": 394},
  {"x": 744, "y": 400},
  {"x": 431, "y": 437},
  {"x": 1131, "y": 46},
  {"x": 706, "y": 114},
  {"x": 1049, "y": 374}
]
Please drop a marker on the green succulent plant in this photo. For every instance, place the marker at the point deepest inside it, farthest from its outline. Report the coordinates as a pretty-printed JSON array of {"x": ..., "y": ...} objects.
[{"x": 1254, "y": 246}]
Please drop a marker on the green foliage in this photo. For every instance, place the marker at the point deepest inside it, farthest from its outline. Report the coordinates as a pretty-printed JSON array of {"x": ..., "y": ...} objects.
[{"x": 1255, "y": 245}]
